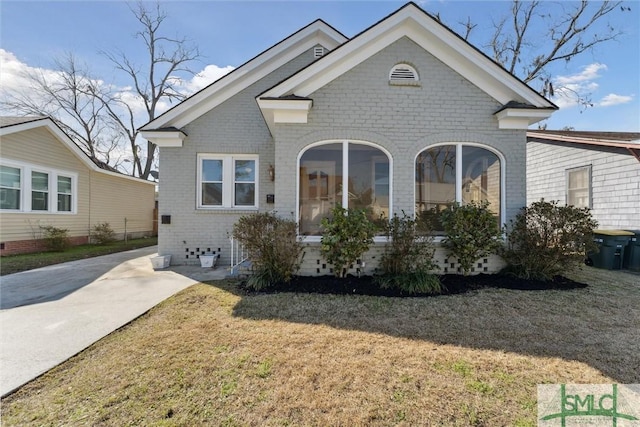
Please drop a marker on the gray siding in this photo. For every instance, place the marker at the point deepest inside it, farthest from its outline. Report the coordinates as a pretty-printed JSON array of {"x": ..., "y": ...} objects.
[{"x": 615, "y": 180}]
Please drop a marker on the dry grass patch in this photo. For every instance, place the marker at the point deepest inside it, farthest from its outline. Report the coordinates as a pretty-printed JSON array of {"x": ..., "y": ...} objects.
[{"x": 212, "y": 357}]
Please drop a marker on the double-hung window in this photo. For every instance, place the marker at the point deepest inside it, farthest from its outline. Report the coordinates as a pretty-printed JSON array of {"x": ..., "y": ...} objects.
[
  {"x": 227, "y": 181},
  {"x": 65, "y": 193},
  {"x": 579, "y": 187},
  {"x": 10, "y": 188},
  {"x": 39, "y": 191}
]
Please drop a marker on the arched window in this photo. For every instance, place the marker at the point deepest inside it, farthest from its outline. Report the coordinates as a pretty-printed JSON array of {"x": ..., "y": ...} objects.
[
  {"x": 456, "y": 173},
  {"x": 327, "y": 169}
]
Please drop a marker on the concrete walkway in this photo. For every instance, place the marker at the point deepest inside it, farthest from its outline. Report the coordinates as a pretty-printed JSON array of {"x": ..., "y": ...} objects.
[{"x": 52, "y": 313}]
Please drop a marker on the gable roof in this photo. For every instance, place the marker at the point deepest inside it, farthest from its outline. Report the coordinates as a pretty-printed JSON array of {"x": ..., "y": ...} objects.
[
  {"x": 11, "y": 125},
  {"x": 626, "y": 140},
  {"x": 318, "y": 32},
  {"x": 413, "y": 22}
]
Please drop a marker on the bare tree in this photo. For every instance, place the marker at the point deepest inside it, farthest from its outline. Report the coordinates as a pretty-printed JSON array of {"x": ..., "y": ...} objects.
[
  {"x": 518, "y": 45},
  {"x": 66, "y": 95},
  {"x": 153, "y": 80}
]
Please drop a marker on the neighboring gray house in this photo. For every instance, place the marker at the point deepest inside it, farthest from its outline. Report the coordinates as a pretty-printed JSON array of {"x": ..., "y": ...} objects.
[
  {"x": 597, "y": 170},
  {"x": 405, "y": 116}
]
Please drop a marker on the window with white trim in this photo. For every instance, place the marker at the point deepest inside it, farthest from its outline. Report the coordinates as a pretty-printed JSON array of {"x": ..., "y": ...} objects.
[
  {"x": 65, "y": 193},
  {"x": 30, "y": 188},
  {"x": 39, "y": 191},
  {"x": 462, "y": 173},
  {"x": 10, "y": 188},
  {"x": 227, "y": 181},
  {"x": 579, "y": 187},
  {"x": 327, "y": 169}
]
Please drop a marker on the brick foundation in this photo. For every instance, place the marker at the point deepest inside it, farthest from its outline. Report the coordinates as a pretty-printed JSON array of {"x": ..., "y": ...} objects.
[{"x": 38, "y": 245}]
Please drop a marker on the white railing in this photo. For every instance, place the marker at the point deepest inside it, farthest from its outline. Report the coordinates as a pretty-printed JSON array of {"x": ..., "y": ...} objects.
[{"x": 238, "y": 255}]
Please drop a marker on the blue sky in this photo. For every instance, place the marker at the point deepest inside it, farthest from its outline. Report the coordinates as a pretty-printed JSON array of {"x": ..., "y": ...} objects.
[{"x": 230, "y": 33}]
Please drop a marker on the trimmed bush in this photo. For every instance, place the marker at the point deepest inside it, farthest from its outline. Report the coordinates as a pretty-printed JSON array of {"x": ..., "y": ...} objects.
[
  {"x": 347, "y": 235},
  {"x": 103, "y": 234},
  {"x": 547, "y": 240},
  {"x": 407, "y": 261},
  {"x": 472, "y": 232},
  {"x": 56, "y": 239},
  {"x": 273, "y": 247}
]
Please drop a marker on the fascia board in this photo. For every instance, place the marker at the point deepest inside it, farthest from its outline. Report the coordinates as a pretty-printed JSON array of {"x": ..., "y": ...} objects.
[
  {"x": 431, "y": 36},
  {"x": 202, "y": 102}
]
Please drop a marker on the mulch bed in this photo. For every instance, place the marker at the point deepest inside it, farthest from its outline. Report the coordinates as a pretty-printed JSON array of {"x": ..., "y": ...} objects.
[{"x": 452, "y": 284}]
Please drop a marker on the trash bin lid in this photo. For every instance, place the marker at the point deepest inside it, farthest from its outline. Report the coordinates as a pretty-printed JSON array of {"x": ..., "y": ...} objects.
[{"x": 614, "y": 232}]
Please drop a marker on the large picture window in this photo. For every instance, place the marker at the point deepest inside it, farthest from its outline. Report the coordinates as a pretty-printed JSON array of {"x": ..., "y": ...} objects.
[
  {"x": 227, "y": 181},
  {"x": 460, "y": 173},
  {"x": 326, "y": 170}
]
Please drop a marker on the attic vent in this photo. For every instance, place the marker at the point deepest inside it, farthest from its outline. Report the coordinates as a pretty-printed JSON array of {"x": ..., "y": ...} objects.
[
  {"x": 318, "y": 52},
  {"x": 403, "y": 74}
]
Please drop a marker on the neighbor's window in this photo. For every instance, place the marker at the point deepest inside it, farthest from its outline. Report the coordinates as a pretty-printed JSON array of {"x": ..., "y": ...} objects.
[
  {"x": 451, "y": 173},
  {"x": 579, "y": 187},
  {"x": 328, "y": 169},
  {"x": 39, "y": 191},
  {"x": 10, "y": 185},
  {"x": 65, "y": 194},
  {"x": 228, "y": 181}
]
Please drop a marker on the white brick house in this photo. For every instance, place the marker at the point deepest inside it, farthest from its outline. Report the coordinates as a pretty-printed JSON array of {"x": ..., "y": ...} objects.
[{"x": 406, "y": 116}]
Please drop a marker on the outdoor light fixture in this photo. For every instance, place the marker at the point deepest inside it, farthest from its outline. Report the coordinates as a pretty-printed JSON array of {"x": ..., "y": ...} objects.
[{"x": 272, "y": 173}]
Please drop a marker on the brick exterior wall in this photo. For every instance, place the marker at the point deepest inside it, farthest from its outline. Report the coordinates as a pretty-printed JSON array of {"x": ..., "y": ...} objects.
[
  {"x": 615, "y": 180},
  {"x": 359, "y": 105}
]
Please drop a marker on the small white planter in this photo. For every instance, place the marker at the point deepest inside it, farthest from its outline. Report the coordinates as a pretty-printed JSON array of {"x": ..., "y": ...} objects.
[
  {"x": 208, "y": 260},
  {"x": 160, "y": 262}
]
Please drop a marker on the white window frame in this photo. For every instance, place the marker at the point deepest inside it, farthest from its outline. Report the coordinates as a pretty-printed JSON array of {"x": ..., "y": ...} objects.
[
  {"x": 459, "y": 177},
  {"x": 26, "y": 170},
  {"x": 48, "y": 173},
  {"x": 228, "y": 181},
  {"x": 568, "y": 172},
  {"x": 20, "y": 188},
  {"x": 345, "y": 173}
]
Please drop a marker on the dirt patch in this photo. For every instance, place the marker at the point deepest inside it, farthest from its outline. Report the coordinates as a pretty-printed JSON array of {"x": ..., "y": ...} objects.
[{"x": 451, "y": 283}]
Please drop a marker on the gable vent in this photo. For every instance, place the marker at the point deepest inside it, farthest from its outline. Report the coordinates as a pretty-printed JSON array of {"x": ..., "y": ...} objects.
[
  {"x": 318, "y": 52},
  {"x": 403, "y": 73}
]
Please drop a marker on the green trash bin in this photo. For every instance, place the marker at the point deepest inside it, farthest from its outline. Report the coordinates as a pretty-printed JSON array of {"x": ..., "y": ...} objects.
[
  {"x": 632, "y": 252},
  {"x": 612, "y": 245}
]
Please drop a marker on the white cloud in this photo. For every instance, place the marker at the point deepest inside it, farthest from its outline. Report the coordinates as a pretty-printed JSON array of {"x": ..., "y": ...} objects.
[
  {"x": 588, "y": 73},
  {"x": 210, "y": 74},
  {"x": 614, "y": 99}
]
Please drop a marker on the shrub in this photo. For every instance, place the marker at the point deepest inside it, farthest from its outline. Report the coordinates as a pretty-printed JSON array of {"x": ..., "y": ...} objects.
[
  {"x": 407, "y": 260},
  {"x": 56, "y": 239},
  {"x": 103, "y": 234},
  {"x": 546, "y": 240},
  {"x": 273, "y": 247},
  {"x": 347, "y": 234},
  {"x": 472, "y": 232}
]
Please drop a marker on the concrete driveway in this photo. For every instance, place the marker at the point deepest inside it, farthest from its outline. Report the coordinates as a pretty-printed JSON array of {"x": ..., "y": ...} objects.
[{"x": 50, "y": 314}]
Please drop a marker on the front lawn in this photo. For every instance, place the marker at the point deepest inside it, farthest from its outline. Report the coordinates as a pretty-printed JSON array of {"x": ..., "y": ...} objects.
[
  {"x": 17, "y": 263},
  {"x": 213, "y": 355}
]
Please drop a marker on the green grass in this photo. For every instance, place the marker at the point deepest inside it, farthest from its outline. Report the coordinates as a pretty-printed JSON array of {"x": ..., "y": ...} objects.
[
  {"x": 17, "y": 263},
  {"x": 214, "y": 355}
]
